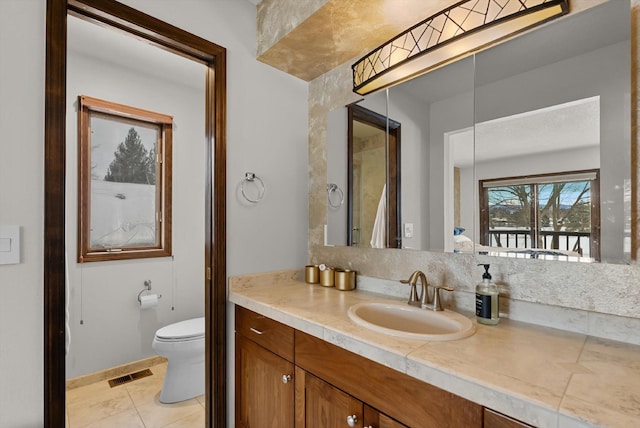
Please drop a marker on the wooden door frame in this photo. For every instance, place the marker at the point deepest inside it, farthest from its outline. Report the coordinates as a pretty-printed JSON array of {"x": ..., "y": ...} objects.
[
  {"x": 393, "y": 128},
  {"x": 113, "y": 14}
]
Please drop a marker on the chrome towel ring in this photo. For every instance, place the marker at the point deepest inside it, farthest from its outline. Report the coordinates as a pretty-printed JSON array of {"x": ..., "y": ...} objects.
[
  {"x": 335, "y": 195},
  {"x": 251, "y": 178}
]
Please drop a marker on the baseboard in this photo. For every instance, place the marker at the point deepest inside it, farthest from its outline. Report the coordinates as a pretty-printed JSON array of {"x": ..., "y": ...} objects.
[{"x": 113, "y": 372}]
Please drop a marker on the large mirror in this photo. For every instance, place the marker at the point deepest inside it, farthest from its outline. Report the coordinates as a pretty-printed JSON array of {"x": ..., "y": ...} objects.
[{"x": 521, "y": 150}]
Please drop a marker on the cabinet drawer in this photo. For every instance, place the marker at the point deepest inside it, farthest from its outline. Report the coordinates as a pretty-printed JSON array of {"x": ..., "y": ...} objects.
[
  {"x": 496, "y": 420},
  {"x": 407, "y": 400},
  {"x": 276, "y": 337}
]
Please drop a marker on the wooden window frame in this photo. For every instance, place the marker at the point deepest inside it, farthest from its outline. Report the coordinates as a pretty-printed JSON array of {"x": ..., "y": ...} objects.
[{"x": 89, "y": 107}]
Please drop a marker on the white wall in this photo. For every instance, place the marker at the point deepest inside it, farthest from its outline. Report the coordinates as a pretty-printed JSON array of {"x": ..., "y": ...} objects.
[
  {"x": 447, "y": 115},
  {"x": 414, "y": 152},
  {"x": 22, "y": 203},
  {"x": 267, "y": 134},
  {"x": 103, "y": 295}
]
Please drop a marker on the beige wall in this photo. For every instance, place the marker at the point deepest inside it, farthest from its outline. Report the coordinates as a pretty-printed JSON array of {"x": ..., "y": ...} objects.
[{"x": 604, "y": 288}]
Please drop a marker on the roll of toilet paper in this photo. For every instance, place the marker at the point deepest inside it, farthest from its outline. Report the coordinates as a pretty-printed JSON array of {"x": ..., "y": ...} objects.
[{"x": 148, "y": 301}]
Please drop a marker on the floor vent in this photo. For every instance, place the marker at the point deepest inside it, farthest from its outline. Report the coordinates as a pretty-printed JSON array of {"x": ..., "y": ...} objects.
[{"x": 129, "y": 378}]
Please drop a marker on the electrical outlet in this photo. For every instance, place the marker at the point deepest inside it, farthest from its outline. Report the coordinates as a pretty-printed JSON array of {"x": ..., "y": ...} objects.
[{"x": 408, "y": 230}]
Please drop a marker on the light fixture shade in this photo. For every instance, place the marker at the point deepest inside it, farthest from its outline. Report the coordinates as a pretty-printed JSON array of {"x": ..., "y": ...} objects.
[{"x": 451, "y": 34}]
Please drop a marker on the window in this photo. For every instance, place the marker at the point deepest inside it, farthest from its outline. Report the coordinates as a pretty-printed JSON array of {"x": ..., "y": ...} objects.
[
  {"x": 124, "y": 182},
  {"x": 555, "y": 212}
]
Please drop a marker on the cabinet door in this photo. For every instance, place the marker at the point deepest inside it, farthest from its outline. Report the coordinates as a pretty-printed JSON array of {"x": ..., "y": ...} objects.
[
  {"x": 324, "y": 406},
  {"x": 375, "y": 419},
  {"x": 264, "y": 398}
]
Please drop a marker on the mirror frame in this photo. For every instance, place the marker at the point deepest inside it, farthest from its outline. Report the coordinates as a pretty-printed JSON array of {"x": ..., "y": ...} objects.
[{"x": 110, "y": 13}]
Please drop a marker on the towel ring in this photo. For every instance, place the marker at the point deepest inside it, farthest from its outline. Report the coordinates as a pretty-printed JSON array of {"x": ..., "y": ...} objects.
[
  {"x": 250, "y": 177},
  {"x": 332, "y": 191}
]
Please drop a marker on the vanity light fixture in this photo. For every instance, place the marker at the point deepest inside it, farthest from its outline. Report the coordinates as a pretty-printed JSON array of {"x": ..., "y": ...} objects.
[{"x": 460, "y": 30}]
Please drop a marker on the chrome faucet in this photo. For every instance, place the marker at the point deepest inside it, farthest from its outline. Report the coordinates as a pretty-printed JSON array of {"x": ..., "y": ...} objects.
[{"x": 423, "y": 300}]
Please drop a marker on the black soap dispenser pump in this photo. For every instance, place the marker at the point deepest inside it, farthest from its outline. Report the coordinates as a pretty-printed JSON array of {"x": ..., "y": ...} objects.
[{"x": 487, "y": 302}]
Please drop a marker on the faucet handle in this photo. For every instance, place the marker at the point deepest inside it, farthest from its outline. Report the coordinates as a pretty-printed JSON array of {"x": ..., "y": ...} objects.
[
  {"x": 437, "y": 305},
  {"x": 414, "y": 300}
]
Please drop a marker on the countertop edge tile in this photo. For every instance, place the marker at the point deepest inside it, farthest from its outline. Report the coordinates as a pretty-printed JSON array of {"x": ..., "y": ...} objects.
[
  {"x": 506, "y": 402},
  {"x": 394, "y": 360}
]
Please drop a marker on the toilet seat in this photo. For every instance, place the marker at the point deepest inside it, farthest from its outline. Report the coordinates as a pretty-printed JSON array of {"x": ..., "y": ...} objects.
[{"x": 182, "y": 331}]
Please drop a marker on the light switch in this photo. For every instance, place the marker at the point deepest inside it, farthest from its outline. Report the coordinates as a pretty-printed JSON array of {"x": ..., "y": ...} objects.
[
  {"x": 5, "y": 245},
  {"x": 9, "y": 245}
]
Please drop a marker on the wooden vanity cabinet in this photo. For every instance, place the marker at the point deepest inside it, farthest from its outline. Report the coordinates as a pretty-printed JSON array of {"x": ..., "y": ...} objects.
[
  {"x": 321, "y": 405},
  {"x": 375, "y": 419},
  {"x": 398, "y": 396},
  {"x": 289, "y": 379},
  {"x": 496, "y": 420},
  {"x": 265, "y": 392}
]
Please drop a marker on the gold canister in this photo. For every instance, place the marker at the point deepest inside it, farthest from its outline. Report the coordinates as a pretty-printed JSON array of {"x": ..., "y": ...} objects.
[
  {"x": 311, "y": 274},
  {"x": 327, "y": 277},
  {"x": 345, "y": 279}
]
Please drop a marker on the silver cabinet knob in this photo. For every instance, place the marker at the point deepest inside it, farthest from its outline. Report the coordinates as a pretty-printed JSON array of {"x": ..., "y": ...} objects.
[
  {"x": 286, "y": 378},
  {"x": 352, "y": 420}
]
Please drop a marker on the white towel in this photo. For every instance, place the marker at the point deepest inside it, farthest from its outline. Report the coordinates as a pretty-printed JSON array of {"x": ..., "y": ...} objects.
[{"x": 378, "y": 235}]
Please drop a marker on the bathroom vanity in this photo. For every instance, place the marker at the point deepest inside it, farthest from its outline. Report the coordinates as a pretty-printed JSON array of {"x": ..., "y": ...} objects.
[
  {"x": 329, "y": 386},
  {"x": 297, "y": 348}
]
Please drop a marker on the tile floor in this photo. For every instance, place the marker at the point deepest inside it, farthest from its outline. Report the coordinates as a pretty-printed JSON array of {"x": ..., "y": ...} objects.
[{"x": 131, "y": 405}]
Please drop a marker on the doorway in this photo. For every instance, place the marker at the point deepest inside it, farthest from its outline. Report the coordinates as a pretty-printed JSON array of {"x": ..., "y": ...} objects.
[
  {"x": 115, "y": 15},
  {"x": 373, "y": 179}
]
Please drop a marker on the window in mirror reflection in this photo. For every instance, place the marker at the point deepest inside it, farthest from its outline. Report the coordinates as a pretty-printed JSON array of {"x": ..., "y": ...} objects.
[{"x": 553, "y": 214}]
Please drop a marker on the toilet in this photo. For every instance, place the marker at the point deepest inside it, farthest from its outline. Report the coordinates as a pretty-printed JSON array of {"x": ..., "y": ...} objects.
[{"x": 182, "y": 344}]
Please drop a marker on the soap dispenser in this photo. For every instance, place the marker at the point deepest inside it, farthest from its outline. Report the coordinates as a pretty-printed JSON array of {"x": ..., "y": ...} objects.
[{"x": 487, "y": 303}]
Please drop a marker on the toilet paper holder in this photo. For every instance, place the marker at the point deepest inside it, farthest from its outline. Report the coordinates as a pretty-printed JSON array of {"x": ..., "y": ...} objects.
[{"x": 147, "y": 287}]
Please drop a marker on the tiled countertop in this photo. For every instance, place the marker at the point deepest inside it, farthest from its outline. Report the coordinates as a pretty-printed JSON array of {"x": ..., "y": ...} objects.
[{"x": 542, "y": 376}]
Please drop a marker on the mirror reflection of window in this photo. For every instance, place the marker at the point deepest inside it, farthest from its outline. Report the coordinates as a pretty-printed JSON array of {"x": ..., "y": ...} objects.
[{"x": 554, "y": 214}]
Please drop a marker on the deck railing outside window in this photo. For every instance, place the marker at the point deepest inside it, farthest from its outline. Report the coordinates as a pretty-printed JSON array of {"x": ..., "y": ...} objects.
[{"x": 578, "y": 242}]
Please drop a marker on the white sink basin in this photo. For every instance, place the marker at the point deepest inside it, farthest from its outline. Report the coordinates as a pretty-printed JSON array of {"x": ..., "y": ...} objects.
[{"x": 410, "y": 322}]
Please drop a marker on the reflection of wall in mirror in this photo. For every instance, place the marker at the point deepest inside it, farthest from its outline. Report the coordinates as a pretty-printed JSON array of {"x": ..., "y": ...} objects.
[
  {"x": 596, "y": 73},
  {"x": 336, "y": 229},
  {"x": 414, "y": 166},
  {"x": 448, "y": 115},
  {"x": 456, "y": 195}
]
